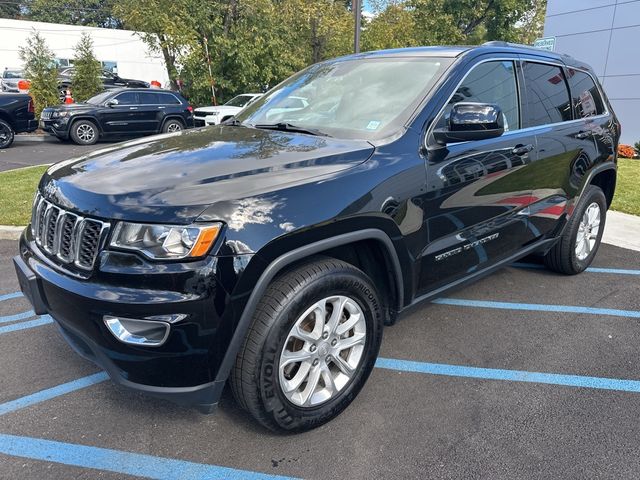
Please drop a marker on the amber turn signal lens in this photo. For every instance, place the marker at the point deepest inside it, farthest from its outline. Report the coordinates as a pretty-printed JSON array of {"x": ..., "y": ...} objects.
[{"x": 206, "y": 238}]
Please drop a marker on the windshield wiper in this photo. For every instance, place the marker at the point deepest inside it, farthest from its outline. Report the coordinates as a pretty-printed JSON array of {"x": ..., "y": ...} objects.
[{"x": 288, "y": 127}]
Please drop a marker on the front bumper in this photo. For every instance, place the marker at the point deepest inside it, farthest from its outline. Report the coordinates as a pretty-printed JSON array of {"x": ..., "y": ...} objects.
[
  {"x": 184, "y": 369},
  {"x": 56, "y": 127}
]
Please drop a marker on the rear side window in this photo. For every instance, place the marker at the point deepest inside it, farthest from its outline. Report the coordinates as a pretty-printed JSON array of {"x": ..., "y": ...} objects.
[
  {"x": 547, "y": 95},
  {"x": 586, "y": 96},
  {"x": 489, "y": 82},
  {"x": 149, "y": 98}
]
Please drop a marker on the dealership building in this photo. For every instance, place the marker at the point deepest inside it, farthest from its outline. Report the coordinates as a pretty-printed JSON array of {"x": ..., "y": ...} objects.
[
  {"x": 120, "y": 51},
  {"x": 606, "y": 35}
]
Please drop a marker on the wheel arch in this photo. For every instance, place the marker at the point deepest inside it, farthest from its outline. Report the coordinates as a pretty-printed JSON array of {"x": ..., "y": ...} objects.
[
  {"x": 605, "y": 178},
  {"x": 172, "y": 117},
  {"x": 7, "y": 118},
  {"x": 291, "y": 258},
  {"x": 93, "y": 120}
]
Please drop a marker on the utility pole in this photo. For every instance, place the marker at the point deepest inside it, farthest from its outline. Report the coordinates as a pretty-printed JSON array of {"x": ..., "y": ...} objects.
[
  {"x": 213, "y": 88},
  {"x": 356, "y": 6}
]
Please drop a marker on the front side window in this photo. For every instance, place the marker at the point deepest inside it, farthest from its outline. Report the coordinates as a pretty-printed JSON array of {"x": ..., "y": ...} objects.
[
  {"x": 547, "y": 95},
  {"x": 127, "y": 98},
  {"x": 489, "y": 82},
  {"x": 357, "y": 98},
  {"x": 586, "y": 96}
]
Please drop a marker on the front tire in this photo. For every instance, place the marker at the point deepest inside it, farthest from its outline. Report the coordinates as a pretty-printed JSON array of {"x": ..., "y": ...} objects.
[
  {"x": 7, "y": 134},
  {"x": 84, "y": 132},
  {"x": 577, "y": 247},
  {"x": 312, "y": 345}
]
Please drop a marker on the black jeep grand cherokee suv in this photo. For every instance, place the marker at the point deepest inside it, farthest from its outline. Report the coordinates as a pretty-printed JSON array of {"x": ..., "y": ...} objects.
[
  {"x": 125, "y": 112},
  {"x": 271, "y": 251}
]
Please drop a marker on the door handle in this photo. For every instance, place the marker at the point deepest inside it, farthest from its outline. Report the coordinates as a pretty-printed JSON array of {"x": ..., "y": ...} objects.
[
  {"x": 583, "y": 135},
  {"x": 522, "y": 149},
  {"x": 133, "y": 108}
]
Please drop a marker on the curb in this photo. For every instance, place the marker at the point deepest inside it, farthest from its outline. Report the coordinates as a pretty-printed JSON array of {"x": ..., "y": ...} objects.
[
  {"x": 8, "y": 232},
  {"x": 34, "y": 138}
]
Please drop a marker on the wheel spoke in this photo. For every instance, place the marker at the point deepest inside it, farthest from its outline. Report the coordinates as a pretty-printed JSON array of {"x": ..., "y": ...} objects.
[
  {"x": 312, "y": 384},
  {"x": 336, "y": 314},
  {"x": 300, "y": 376},
  {"x": 327, "y": 376},
  {"x": 294, "y": 357},
  {"x": 349, "y": 324},
  {"x": 345, "y": 343},
  {"x": 342, "y": 364}
]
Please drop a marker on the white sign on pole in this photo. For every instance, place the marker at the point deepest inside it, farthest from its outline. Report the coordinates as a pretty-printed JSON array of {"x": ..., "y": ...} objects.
[{"x": 547, "y": 43}]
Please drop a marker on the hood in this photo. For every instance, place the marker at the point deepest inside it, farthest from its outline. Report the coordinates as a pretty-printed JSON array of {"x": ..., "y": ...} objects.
[
  {"x": 72, "y": 107},
  {"x": 174, "y": 177}
]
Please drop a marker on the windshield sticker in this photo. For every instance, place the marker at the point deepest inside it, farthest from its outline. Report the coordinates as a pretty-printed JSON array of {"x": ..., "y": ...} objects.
[{"x": 373, "y": 125}]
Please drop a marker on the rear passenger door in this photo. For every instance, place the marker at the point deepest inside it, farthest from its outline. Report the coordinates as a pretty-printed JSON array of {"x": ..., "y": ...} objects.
[
  {"x": 151, "y": 110},
  {"x": 473, "y": 200},
  {"x": 565, "y": 146}
]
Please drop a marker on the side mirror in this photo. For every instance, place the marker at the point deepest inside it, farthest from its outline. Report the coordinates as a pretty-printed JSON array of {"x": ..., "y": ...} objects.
[
  {"x": 111, "y": 103},
  {"x": 471, "y": 121}
]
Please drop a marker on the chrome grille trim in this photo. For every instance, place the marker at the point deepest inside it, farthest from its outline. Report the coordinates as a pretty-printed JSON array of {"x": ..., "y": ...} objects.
[{"x": 70, "y": 238}]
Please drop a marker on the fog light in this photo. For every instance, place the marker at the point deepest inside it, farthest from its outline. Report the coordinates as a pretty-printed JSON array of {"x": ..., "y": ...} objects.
[{"x": 144, "y": 333}]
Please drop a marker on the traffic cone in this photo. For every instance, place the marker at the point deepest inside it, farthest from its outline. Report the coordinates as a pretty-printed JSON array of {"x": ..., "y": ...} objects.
[{"x": 68, "y": 98}]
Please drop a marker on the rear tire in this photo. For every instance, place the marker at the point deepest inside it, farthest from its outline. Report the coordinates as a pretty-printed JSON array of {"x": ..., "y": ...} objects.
[
  {"x": 84, "y": 132},
  {"x": 172, "y": 126},
  {"x": 7, "y": 135},
  {"x": 578, "y": 245},
  {"x": 334, "y": 363}
]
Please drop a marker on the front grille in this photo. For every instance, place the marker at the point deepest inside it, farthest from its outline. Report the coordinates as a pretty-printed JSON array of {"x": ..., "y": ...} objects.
[
  {"x": 66, "y": 236},
  {"x": 198, "y": 114},
  {"x": 46, "y": 114}
]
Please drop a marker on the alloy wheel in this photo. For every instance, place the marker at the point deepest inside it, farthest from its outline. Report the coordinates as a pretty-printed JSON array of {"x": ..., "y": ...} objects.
[
  {"x": 174, "y": 127},
  {"x": 85, "y": 132},
  {"x": 322, "y": 351},
  {"x": 588, "y": 231}
]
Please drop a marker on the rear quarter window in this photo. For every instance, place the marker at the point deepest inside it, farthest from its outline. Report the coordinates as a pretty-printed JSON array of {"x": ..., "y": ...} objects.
[{"x": 587, "y": 100}]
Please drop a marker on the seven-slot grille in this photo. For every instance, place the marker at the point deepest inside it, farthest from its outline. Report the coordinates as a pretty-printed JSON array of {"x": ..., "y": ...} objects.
[
  {"x": 46, "y": 114},
  {"x": 65, "y": 235}
]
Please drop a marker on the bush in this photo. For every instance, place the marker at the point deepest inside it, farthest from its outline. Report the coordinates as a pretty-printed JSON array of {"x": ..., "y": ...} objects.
[
  {"x": 626, "y": 151},
  {"x": 40, "y": 70},
  {"x": 86, "y": 78}
]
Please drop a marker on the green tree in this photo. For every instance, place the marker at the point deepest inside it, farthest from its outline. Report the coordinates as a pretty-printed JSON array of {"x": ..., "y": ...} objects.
[
  {"x": 86, "y": 78},
  {"x": 40, "y": 70},
  {"x": 92, "y": 13},
  {"x": 10, "y": 10}
]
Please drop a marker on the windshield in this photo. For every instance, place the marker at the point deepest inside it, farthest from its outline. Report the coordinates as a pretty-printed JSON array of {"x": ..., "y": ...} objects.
[
  {"x": 364, "y": 98},
  {"x": 12, "y": 74},
  {"x": 99, "y": 99},
  {"x": 239, "y": 101}
]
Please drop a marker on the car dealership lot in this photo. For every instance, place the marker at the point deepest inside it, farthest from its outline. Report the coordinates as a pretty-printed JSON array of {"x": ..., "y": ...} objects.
[{"x": 454, "y": 395}]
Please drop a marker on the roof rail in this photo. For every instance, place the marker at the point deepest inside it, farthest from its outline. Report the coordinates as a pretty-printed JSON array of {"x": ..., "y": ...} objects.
[{"x": 500, "y": 43}]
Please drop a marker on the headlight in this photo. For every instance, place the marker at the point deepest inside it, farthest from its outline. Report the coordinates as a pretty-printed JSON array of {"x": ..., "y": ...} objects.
[
  {"x": 60, "y": 114},
  {"x": 166, "y": 241}
]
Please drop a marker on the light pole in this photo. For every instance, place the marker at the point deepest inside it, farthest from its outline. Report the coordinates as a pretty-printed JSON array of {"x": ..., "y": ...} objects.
[{"x": 356, "y": 6}]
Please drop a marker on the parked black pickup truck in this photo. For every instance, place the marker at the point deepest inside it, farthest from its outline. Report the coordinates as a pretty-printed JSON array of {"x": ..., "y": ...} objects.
[{"x": 16, "y": 116}]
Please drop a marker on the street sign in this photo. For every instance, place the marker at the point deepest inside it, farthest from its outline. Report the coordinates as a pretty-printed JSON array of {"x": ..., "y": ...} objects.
[{"x": 547, "y": 43}]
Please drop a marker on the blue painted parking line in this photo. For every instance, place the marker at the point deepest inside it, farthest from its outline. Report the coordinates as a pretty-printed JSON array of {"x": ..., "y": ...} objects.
[
  {"x": 17, "y": 316},
  {"x": 52, "y": 392},
  {"x": 509, "y": 375},
  {"x": 615, "y": 271},
  {"x": 14, "y": 327},
  {"x": 9, "y": 296},
  {"x": 536, "y": 307},
  {"x": 117, "y": 461}
]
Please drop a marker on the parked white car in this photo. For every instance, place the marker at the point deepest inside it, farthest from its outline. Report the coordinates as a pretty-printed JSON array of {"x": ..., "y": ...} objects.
[
  {"x": 9, "y": 80},
  {"x": 214, "y": 115}
]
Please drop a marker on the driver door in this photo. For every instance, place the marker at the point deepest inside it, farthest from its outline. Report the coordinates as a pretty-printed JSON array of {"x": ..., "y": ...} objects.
[{"x": 475, "y": 201}]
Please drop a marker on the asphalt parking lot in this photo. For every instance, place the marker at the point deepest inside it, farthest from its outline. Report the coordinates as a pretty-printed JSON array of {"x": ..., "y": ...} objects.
[
  {"x": 525, "y": 374},
  {"x": 25, "y": 153}
]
